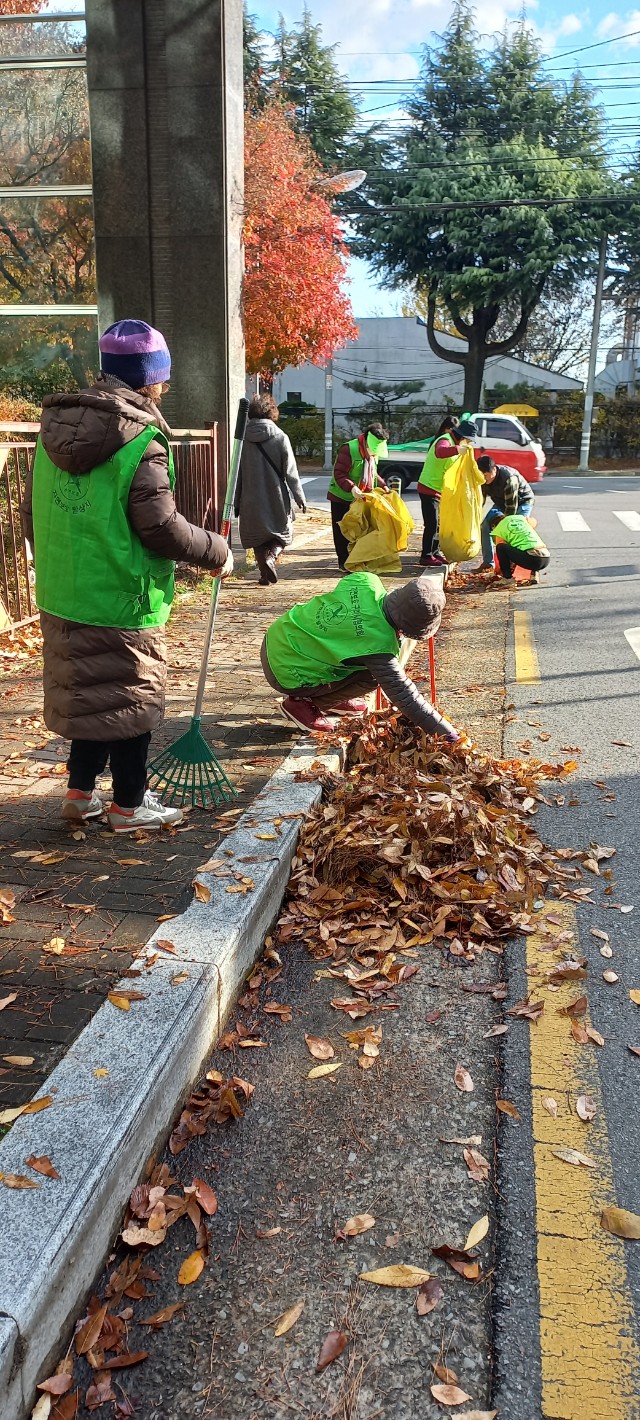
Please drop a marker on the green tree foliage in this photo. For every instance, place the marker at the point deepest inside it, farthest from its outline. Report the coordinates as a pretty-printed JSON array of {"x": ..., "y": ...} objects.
[
  {"x": 255, "y": 61},
  {"x": 309, "y": 81},
  {"x": 491, "y": 128}
]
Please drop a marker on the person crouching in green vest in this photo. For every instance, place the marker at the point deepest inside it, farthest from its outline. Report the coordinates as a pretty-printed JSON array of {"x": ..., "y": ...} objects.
[
  {"x": 355, "y": 472},
  {"x": 100, "y": 515},
  {"x": 518, "y": 545},
  {"x": 323, "y": 654}
]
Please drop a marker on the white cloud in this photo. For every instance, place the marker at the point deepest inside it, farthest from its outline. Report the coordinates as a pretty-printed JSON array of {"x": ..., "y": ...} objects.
[
  {"x": 570, "y": 25},
  {"x": 609, "y": 25}
]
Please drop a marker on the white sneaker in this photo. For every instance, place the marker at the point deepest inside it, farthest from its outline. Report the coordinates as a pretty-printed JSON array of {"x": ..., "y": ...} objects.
[
  {"x": 151, "y": 814},
  {"x": 77, "y": 807}
]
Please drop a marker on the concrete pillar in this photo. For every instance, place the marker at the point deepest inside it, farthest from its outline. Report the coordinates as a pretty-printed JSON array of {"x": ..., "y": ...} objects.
[{"x": 166, "y": 105}]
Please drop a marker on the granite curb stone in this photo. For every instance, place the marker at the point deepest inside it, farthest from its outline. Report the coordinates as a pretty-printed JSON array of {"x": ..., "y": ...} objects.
[{"x": 100, "y": 1131}]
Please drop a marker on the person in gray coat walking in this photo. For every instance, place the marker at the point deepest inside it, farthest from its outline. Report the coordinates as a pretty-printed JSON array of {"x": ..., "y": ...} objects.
[{"x": 268, "y": 486}]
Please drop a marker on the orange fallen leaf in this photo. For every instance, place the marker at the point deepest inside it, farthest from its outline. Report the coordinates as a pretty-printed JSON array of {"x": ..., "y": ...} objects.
[
  {"x": 620, "y": 1222},
  {"x": 332, "y": 1347},
  {"x": 449, "y": 1394},
  {"x": 164, "y": 1315},
  {"x": 288, "y": 1318},
  {"x": 41, "y": 1164},
  {"x": 319, "y": 1048},
  {"x": 202, "y": 892},
  {"x": 89, "y": 1333},
  {"x": 191, "y": 1268},
  {"x": 206, "y": 1197},
  {"x": 428, "y": 1296},
  {"x": 506, "y": 1107},
  {"x": 58, "y": 1384},
  {"x": 17, "y": 1180}
]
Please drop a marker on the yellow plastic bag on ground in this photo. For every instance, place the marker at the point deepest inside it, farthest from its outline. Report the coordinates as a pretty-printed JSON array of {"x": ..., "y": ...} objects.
[
  {"x": 461, "y": 509},
  {"x": 377, "y": 528}
]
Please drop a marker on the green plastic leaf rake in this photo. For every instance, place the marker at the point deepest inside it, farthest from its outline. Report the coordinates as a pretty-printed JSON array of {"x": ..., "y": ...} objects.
[{"x": 188, "y": 771}]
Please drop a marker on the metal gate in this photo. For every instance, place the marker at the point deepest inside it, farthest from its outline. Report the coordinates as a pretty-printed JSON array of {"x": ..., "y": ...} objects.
[{"x": 197, "y": 493}]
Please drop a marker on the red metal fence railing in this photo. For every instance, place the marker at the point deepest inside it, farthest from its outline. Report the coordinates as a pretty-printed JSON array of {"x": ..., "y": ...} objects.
[{"x": 198, "y": 497}]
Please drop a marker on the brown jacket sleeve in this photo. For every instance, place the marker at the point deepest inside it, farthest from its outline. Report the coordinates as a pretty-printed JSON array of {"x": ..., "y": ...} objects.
[{"x": 154, "y": 517}]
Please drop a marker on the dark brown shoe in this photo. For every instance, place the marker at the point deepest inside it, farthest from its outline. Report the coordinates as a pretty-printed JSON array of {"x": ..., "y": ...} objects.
[{"x": 270, "y": 568}]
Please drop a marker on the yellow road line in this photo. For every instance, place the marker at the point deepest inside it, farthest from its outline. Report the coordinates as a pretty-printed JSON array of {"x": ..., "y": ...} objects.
[
  {"x": 590, "y": 1361},
  {"x": 527, "y": 665}
]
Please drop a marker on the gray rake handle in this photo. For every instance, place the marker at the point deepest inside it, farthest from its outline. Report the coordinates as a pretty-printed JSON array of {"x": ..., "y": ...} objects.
[{"x": 238, "y": 440}]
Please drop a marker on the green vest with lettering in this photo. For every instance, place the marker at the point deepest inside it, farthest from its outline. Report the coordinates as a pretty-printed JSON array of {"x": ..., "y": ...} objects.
[
  {"x": 310, "y": 644},
  {"x": 434, "y": 469},
  {"x": 91, "y": 566},
  {"x": 357, "y": 468}
]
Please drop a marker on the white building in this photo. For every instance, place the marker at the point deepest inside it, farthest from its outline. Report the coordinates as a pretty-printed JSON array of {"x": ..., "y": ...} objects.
[{"x": 390, "y": 349}]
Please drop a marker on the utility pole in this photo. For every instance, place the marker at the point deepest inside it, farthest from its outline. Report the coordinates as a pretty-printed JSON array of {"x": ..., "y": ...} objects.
[
  {"x": 328, "y": 416},
  {"x": 585, "y": 441}
]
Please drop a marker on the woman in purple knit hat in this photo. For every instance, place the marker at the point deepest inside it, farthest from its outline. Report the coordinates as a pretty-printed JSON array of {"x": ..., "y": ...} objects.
[{"x": 100, "y": 515}]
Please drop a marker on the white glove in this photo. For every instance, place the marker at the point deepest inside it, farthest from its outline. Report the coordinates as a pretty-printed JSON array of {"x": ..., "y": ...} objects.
[
  {"x": 228, "y": 566},
  {"x": 357, "y": 492}
]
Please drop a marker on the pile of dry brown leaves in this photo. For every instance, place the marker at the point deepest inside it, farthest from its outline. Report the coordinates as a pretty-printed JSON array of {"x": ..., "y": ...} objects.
[{"x": 420, "y": 844}]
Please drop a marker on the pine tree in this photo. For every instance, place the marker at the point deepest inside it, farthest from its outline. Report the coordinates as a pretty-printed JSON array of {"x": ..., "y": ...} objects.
[
  {"x": 508, "y": 132},
  {"x": 310, "y": 81}
]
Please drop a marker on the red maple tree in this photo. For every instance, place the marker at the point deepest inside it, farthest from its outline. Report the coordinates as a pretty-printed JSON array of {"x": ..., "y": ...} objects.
[
  {"x": 295, "y": 308},
  {"x": 20, "y": 7}
]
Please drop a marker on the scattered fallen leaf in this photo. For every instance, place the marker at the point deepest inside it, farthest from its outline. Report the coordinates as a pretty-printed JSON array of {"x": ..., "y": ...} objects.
[
  {"x": 135, "y": 1237},
  {"x": 58, "y": 1384},
  {"x": 574, "y": 1008},
  {"x": 332, "y": 1347},
  {"x": 41, "y": 1164},
  {"x": 125, "y": 1358},
  {"x": 460, "y": 1261},
  {"x": 100, "y": 1392},
  {"x": 206, "y": 1197},
  {"x": 573, "y": 1156},
  {"x": 89, "y": 1333},
  {"x": 164, "y": 1315},
  {"x": 360, "y": 1223},
  {"x": 55, "y": 946},
  {"x": 401, "y": 1274},
  {"x": 202, "y": 892},
  {"x": 267, "y": 1232},
  {"x": 635, "y": 997},
  {"x": 165, "y": 946},
  {"x": 319, "y": 1070},
  {"x": 22, "y": 1060},
  {"x": 606, "y": 951},
  {"x": 602, "y": 936},
  {"x": 101, "y": 1073},
  {"x": 449, "y": 1394},
  {"x": 6, "y": 1000},
  {"x": 288, "y": 1319},
  {"x": 551, "y": 1107},
  {"x": 444, "y": 1373},
  {"x": 635, "y": 1049},
  {"x": 610, "y": 977},
  {"x": 620, "y": 1222},
  {"x": 42, "y": 1408},
  {"x": 428, "y": 1296},
  {"x": 319, "y": 1048},
  {"x": 476, "y": 1415},
  {"x": 17, "y": 1180},
  {"x": 506, "y": 1107},
  {"x": 477, "y": 1233},
  {"x": 585, "y": 1108},
  {"x": 527, "y": 1010},
  {"x": 462, "y": 1079},
  {"x": 191, "y": 1268},
  {"x": 495, "y": 1030},
  {"x": 594, "y": 1035}
]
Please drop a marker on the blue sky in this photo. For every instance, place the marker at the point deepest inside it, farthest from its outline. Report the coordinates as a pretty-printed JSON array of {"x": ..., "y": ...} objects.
[{"x": 381, "y": 40}]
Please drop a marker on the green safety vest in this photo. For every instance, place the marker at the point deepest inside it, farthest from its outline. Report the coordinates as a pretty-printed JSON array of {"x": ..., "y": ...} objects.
[
  {"x": 517, "y": 532},
  {"x": 433, "y": 469},
  {"x": 357, "y": 469},
  {"x": 91, "y": 566},
  {"x": 312, "y": 642}
]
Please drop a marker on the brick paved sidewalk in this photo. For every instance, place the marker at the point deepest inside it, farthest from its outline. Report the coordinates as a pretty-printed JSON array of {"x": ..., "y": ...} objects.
[{"x": 101, "y": 895}]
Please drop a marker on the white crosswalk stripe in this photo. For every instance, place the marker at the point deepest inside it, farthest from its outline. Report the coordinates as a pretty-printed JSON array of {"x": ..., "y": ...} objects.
[
  {"x": 573, "y": 522},
  {"x": 633, "y": 637},
  {"x": 630, "y": 520}
]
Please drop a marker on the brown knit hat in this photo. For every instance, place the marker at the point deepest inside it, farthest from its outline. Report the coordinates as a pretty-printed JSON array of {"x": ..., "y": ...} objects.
[{"x": 416, "y": 608}]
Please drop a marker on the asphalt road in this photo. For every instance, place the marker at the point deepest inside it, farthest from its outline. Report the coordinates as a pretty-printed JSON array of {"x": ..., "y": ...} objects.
[{"x": 580, "y": 622}]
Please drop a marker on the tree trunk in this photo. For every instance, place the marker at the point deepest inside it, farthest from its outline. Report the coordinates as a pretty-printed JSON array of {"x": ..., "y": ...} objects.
[{"x": 474, "y": 363}]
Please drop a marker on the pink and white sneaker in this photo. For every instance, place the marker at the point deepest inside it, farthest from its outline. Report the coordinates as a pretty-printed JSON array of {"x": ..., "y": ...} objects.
[
  {"x": 77, "y": 806},
  {"x": 307, "y": 716}
]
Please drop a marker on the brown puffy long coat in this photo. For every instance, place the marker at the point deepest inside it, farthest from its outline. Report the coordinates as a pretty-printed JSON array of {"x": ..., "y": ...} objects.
[{"x": 100, "y": 682}]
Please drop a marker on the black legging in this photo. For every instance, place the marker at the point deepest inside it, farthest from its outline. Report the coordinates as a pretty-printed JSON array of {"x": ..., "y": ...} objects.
[
  {"x": 510, "y": 557},
  {"x": 128, "y": 758},
  {"x": 430, "y": 504},
  {"x": 340, "y": 543}
]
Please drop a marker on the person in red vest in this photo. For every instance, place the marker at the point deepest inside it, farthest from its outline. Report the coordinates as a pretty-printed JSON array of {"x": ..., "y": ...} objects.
[{"x": 355, "y": 472}]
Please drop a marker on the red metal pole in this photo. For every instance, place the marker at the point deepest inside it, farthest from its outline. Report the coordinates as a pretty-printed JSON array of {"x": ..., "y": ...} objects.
[{"x": 432, "y": 669}]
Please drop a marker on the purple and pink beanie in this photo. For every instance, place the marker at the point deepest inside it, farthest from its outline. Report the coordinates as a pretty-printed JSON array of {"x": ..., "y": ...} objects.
[{"x": 135, "y": 353}]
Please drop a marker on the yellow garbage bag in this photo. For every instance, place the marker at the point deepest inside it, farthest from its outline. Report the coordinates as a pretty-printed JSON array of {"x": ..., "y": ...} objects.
[
  {"x": 377, "y": 528},
  {"x": 461, "y": 509}
]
